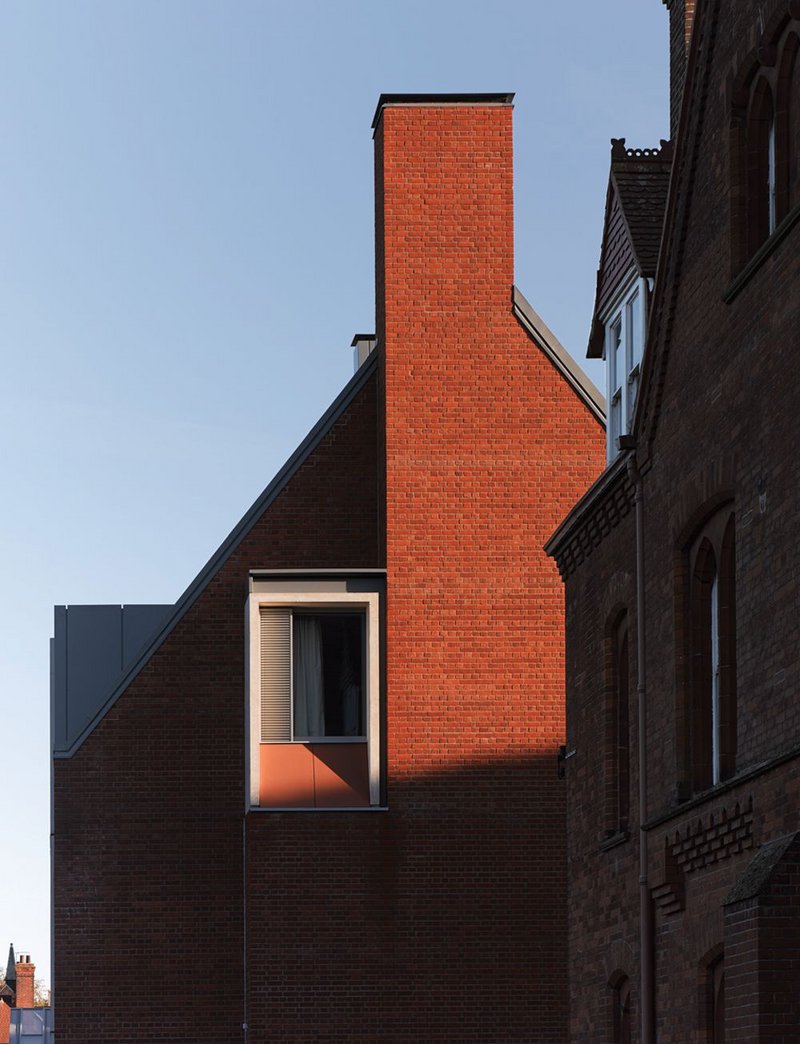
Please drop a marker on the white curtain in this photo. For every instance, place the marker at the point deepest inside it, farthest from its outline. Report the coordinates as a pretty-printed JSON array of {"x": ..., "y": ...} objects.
[{"x": 309, "y": 702}]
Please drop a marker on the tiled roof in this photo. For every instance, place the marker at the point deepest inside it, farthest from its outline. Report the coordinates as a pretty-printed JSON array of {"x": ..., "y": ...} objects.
[{"x": 641, "y": 180}]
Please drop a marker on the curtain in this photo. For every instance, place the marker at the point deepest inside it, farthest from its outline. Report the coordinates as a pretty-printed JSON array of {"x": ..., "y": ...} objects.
[{"x": 309, "y": 700}]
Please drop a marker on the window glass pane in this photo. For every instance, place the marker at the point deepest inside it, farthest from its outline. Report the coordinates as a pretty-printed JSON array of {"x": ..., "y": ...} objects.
[
  {"x": 633, "y": 387},
  {"x": 616, "y": 420},
  {"x": 635, "y": 330},
  {"x": 617, "y": 355},
  {"x": 328, "y": 674}
]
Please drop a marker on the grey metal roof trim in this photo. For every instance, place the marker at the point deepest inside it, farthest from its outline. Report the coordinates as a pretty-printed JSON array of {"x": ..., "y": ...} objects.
[
  {"x": 536, "y": 327},
  {"x": 496, "y": 98},
  {"x": 234, "y": 538}
]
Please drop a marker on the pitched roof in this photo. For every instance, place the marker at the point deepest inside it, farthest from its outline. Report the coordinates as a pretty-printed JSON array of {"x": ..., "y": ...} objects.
[
  {"x": 223, "y": 552},
  {"x": 11, "y": 969},
  {"x": 641, "y": 179},
  {"x": 636, "y": 202}
]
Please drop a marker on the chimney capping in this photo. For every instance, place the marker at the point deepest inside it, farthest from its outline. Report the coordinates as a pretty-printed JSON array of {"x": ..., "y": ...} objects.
[{"x": 503, "y": 98}]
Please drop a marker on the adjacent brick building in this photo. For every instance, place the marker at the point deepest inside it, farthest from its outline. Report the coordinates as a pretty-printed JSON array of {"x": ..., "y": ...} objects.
[
  {"x": 319, "y": 793},
  {"x": 681, "y": 567}
]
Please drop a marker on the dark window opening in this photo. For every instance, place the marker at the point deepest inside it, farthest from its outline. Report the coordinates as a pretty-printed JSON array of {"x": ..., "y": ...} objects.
[{"x": 328, "y": 671}]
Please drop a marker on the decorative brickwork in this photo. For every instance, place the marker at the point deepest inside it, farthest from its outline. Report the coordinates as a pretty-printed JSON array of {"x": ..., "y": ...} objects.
[{"x": 717, "y": 424}]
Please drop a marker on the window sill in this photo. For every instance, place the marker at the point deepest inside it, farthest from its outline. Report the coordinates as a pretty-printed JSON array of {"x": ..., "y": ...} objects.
[
  {"x": 344, "y": 808},
  {"x": 764, "y": 251},
  {"x": 619, "y": 837},
  {"x": 699, "y": 799}
]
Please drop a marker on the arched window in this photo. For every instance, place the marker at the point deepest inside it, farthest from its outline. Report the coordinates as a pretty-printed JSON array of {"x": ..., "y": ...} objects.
[
  {"x": 712, "y": 662},
  {"x": 787, "y": 123},
  {"x": 761, "y": 166},
  {"x": 765, "y": 138},
  {"x": 617, "y": 755},
  {"x": 622, "y": 1015},
  {"x": 715, "y": 1002},
  {"x": 622, "y": 723}
]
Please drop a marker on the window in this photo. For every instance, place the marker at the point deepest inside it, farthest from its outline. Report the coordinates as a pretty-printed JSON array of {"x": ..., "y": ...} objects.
[
  {"x": 618, "y": 728},
  {"x": 712, "y": 666},
  {"x": 621, "y": 1011},
  {"x": 622, "y": 738},
  {"x": 765, "y": 151},
  {"x": 717, "y": 984},
  {"x": 624, "y": 344},
  {"x": 313, "y": 694}
]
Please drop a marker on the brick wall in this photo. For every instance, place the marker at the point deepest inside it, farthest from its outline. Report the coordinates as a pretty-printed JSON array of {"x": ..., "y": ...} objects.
[
  {"x": 474, "y": 645},
  {"x": 724, "y": 389},
  {"x": 148, "y": 813}
]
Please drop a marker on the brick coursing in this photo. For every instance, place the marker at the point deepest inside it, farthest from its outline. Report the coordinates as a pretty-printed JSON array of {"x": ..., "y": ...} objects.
[{"x": 720, "y": 424}]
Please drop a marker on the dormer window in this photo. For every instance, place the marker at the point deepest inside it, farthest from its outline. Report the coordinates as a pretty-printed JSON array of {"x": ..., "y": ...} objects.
[{"x": 624, "y": 343}]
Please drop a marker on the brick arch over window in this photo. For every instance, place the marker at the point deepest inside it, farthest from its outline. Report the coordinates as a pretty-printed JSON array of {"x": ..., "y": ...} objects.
[
  {"x": 763, "y": 136},
  {"x": 621, "y": 1015},
  {"x": 706, "y": 722},
  {"x": 711, "y": 1021}
]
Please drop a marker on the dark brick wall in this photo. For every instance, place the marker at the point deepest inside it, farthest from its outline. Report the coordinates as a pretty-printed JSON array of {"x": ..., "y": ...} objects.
[
  {"x": 148, "y": 813},
  {"x": 721, "y": 422}
]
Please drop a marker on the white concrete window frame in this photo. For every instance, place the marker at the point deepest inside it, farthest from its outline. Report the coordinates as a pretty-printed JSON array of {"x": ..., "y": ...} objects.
[
  {"x": 624, "y": 330},
  {"x": 306, "y": 597}
]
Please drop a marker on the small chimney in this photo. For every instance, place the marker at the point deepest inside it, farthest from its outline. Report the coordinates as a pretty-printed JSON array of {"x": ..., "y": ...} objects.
[
  {"x": 363, "y": 345},
  {"x": 25, "y": 975},
  {"x": 681, "y": 19}
]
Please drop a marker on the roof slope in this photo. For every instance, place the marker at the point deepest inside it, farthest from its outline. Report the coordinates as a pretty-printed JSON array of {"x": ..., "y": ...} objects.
[
  {"x": 636, "y": 202},
  {"x": 323, "y": 426}
]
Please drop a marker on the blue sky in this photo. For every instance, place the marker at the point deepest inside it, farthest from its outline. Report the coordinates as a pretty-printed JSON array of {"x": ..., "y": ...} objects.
[{"x": 186, "y": 249}]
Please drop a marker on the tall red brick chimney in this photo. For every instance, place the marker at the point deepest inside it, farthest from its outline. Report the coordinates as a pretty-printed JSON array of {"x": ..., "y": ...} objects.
[
  {"x": 25, "y": 975},
  {"x": 681, "y": 20},
  {"x": 487, "y": 447}
]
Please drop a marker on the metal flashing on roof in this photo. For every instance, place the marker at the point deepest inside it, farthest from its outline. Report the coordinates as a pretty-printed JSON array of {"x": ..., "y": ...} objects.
[
  {"x": 502, "y": 98},
  {"x": 234, "y": 538},
  {"x": 541, "y": 333}
]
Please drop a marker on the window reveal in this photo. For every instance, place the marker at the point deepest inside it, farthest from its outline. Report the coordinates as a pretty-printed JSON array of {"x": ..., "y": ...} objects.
[{"x": 313, "y": 700}]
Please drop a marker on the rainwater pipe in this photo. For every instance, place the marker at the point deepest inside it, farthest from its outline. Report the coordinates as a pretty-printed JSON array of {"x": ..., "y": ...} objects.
[{"x": 646, "y": 942}]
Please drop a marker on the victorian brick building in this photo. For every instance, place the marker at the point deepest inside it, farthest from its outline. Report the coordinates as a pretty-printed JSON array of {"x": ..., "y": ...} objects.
[
  {"x": 316, "y": 799},
  {"x": 682, "y": 565}
]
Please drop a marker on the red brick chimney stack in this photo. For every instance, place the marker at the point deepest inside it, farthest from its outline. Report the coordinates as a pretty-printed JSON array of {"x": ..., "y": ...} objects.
[
  {"x": 681, "y": 19},
  {"x": 25, "y": 974}
]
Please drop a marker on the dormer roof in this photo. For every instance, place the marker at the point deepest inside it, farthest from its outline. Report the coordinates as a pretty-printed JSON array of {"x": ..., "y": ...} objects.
[{"x": 635, "y": 205}]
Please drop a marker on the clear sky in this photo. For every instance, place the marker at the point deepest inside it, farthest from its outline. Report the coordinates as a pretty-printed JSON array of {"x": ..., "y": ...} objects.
[{"x": 186, "y": 249}]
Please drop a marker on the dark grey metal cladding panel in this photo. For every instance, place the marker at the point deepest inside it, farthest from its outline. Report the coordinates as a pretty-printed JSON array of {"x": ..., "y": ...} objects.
[
  {"x": 58, "y": 677},
  {"x": 93, "y": 646},
  {"x": 94, "y": 661},
  {"x": 139, "y": 626}
]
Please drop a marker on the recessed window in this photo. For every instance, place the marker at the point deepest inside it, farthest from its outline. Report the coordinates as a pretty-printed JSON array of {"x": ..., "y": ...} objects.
[
  {"x": 624, "y": 345},
  {"x": 712, "y": 659},
  {"x": 313, "y": 697},
  {"x": 622, "y": 1020}
]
